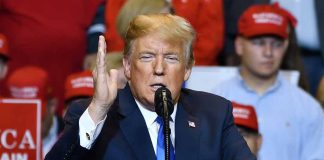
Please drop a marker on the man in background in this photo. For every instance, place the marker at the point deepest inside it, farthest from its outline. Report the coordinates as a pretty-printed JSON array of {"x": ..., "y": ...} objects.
[
  {"x": 78, "y": 86},
  {"x": 246, "y": 120},
  {"x": 290, "y": 120},
  {"x": 32, "y": 82}
]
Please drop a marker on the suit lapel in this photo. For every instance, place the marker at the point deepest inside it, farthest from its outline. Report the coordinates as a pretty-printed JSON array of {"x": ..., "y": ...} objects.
[
  {"x": 187, "y": 131},
  {"x": 133, "y": 126}
]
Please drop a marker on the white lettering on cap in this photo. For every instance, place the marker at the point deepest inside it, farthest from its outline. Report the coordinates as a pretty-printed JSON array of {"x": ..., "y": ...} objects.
[
  {"x": 241, "y": 113},
  {"x": 24, "y": 92},
  {"x": 82, "y": 82},
  {"x": 268, "y": 17}
]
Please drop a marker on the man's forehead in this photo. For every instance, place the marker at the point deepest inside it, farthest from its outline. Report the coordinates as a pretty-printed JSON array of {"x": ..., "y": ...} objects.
[
  {"x": 266, "y": 36},
  {"x": 157, "y": 44},
  {"x": 159, "y": 37}
]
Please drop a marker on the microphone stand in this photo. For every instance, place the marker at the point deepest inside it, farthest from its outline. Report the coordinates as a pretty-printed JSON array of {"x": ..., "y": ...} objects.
[{"x": 166, "y": 129}]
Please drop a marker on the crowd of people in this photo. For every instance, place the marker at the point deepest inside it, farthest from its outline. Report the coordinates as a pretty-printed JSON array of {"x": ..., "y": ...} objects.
[{"x": 61, "y": 58}]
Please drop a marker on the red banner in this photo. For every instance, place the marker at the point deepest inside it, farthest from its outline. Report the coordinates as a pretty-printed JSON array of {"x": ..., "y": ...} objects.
[{"x": 20, "y": 129}]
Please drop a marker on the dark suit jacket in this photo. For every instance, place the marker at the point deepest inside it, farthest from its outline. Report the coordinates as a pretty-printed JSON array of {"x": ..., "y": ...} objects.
[{"x": 125, "y": 135}]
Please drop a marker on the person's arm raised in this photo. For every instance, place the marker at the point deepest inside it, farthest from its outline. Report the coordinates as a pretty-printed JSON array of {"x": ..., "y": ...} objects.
[
  {"x": 105, "y": 86},
  {"x": 92, "y": 119}
]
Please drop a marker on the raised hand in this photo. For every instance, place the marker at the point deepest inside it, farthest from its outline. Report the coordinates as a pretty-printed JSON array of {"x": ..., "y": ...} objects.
[{"x": 105, "y": 85}]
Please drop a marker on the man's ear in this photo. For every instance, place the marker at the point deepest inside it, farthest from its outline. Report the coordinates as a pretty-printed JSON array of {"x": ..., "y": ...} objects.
[
  {"x": 127, "y": 66},
  {"x": 188, "y": 71},
  {"x": 239, "y": 45}
]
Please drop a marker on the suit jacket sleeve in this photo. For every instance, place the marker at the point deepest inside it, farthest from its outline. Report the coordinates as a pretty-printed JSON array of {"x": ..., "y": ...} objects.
[{"x": 68, "y": 145}]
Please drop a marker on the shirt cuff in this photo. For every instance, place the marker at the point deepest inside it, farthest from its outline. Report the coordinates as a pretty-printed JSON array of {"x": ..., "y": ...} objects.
[{"x": 88, "y": 130}]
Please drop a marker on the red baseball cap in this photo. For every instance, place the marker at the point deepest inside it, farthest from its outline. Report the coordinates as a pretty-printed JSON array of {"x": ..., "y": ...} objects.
[
  {"x": 4, "y": 46},
  {"x": 79, "y": 85},
  {"x": 265, "y": 20},
  {"x": 244, "y": 115},
  {"x": 29, "y": 82}
]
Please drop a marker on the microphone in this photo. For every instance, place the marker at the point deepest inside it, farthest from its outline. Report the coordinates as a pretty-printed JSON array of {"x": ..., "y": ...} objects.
[
  {"x": 164, "y": 108},
  {"x": 163, "y": 102}
]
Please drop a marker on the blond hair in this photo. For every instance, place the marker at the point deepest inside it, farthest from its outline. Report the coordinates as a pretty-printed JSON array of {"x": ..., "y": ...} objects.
[
  {"x": 132, "y": 8},
  {"x": 169, "y": 27}
]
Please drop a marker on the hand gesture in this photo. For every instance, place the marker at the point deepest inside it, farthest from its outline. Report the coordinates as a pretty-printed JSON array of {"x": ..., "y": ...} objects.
[{"x": 105, "y": 85}]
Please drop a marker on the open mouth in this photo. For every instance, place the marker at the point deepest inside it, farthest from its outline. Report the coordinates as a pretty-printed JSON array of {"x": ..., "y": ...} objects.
[{"x": 157, "y": 85}]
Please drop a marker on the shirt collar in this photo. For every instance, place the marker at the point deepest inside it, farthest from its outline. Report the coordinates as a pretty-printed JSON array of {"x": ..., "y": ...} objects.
[
  {"x": 279, "y": 80},
  {"x": 150, "y": 116}
]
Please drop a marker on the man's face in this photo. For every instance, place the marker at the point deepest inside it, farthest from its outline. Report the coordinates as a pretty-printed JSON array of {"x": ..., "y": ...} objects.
[
  {"x": 261, "y": 56},
  {"x": 155, "y": 62}
]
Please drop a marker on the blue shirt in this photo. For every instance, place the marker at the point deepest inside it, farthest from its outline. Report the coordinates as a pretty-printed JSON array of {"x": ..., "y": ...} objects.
[{"x": 290, "y": 120}]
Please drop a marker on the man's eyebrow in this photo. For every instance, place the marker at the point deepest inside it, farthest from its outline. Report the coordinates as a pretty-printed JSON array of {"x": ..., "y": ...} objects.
[
  {"x": 171, "y": 53},
  {"x": 146, "y": 52}
]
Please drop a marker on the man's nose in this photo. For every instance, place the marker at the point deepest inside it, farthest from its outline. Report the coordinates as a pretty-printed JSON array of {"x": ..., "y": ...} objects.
[
  {"x": 159, "y": 66},
  {"x": 268, "y": 50}
]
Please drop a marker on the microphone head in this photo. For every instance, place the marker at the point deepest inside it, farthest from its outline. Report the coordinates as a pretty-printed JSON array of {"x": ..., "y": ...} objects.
[{"x": 163, "y": 94}]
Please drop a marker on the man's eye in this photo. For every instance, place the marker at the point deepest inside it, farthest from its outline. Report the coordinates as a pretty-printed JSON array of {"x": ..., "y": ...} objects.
[
  {"x": 146, "y": 57},
  {"x": 257, "y": 42},
  {"x": 172, "y": 58},
  {"x": 277, "y": 44}
]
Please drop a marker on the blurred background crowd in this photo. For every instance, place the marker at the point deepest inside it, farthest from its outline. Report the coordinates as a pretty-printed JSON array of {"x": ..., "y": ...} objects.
[{"x": 48, "y": 49}]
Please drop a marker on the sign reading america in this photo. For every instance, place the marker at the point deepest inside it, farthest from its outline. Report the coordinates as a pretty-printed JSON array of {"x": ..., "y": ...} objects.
[{"x": 20, "y": 129}]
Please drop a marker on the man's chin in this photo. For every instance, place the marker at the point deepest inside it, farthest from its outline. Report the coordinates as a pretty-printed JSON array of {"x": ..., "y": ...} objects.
[
  {"x": 150, "y": 107},
  {"x": 267, "y": 75},
  {"x": 148, "y": 104}
]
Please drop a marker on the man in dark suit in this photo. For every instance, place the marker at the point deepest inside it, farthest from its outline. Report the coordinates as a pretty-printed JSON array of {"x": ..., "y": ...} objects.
[{"x": 122, "y": 124}]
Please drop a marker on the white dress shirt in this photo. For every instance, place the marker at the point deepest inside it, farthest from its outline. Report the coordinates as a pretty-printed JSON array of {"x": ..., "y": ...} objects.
[
  {"x": 89, "y": 131},
  {"x": 153, "y": 126}
]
